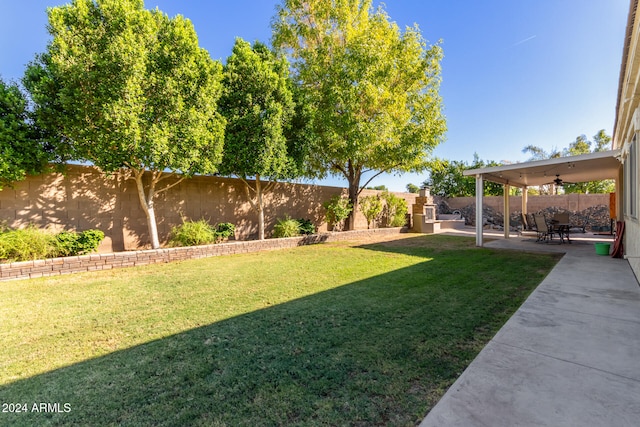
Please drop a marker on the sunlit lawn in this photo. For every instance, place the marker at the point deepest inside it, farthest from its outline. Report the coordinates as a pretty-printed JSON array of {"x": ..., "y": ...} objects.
[{"x": 332, "y": 334}]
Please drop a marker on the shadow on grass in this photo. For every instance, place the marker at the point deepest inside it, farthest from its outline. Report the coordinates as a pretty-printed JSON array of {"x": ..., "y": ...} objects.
[{"x": 380, "y": 351}]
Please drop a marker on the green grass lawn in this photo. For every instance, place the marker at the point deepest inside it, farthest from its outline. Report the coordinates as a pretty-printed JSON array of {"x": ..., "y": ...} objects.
[{"x": 332, "y": 334}]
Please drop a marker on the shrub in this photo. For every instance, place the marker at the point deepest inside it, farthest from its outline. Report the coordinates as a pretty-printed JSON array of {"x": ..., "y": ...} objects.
[
  {"x": 371, "y": 207},
  {"x": 395, "y": 210},
  {"x": 66, "y": 243},
  {"x": 286, "y": 227},
  {"x": 306, "y": 226},
  {"x": 33, "y": 243},
  {"x": 224, "y": 230},
  {"x": 26, "y": 244},
  {"x": 192, "y": 233},
  {"x": 69, "y": 243},
  {"x": 88, "y": 241},
  {"x": 338, "y": 209}
]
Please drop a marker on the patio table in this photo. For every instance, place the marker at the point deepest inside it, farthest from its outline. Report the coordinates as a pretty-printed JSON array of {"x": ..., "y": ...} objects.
[{"x": 562, "y": 229}]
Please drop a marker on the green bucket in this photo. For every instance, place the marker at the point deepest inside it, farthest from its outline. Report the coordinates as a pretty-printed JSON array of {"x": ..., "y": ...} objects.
[{"x": 603, "y": 248}]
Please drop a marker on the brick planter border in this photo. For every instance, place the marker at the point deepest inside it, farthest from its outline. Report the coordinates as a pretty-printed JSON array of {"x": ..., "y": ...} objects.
[{"x": 107, "y": 261}]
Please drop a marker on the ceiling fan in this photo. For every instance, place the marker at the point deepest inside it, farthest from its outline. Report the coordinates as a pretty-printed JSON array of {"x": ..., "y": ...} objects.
[{"x": 559, "y": 181}]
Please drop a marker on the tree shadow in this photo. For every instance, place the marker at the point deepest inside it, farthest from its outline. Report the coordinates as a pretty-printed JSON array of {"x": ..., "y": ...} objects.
[
  {"x": 78, "y": 199},
  {"x": 379, "y": 351},
  {"x": 82, "y": 198},
  {"x": 298, "y": 201},
  {"x": 218, "y": 199}
]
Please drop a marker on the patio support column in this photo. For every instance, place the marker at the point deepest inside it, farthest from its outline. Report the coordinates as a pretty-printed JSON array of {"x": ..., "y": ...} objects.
[
  {"x": 479, "y": 194},
  {"x": 525, "y": 196},
  {"x": 507, "y": 211},
  {"x": 620, "y": 194}
]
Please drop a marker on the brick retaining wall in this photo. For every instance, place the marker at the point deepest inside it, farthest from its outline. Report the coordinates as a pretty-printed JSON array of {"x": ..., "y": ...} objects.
[{"x": 107, "y": 261}]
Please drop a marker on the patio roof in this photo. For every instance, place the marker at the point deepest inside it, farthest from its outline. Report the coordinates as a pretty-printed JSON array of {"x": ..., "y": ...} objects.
[{"x": 585, "y": 167}]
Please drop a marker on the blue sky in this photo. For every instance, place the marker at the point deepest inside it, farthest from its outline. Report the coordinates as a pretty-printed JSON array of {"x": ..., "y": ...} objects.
[{"x": 515, "y": 72}]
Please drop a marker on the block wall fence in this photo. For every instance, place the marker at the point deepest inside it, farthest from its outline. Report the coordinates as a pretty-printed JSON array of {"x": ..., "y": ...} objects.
[
  {"x": 83, "y": 198},
  {"x": 567, "y": 202}
]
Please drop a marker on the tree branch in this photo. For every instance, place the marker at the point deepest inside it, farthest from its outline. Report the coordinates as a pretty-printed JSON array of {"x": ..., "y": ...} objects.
[
  {"x": 269, "y": 186},
  {"x": 362, "y": 187},
  {"x": 170, "y": 185},
  {"x": 248, "y": 187},
  {"x": 244, "y": 179},
  {"x": 339, "y": 168}
]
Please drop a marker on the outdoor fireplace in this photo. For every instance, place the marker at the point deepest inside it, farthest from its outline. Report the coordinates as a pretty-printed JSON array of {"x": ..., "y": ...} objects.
[{"x": 425, "y": 206}]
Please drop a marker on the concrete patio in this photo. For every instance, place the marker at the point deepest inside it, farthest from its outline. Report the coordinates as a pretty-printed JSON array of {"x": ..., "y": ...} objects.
[{"x": 570, "y": 356}]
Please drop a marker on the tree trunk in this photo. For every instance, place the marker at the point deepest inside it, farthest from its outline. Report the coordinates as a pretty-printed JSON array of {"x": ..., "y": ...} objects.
[
  {"x": 258, "y": 205},
  {"x": 353, "y": 174},
  {"x": 354, "y": 188},
  {"x": 153, "y": 229},
  {"x": 146, "y": 201},
  {"x": 260, "y": 209}
]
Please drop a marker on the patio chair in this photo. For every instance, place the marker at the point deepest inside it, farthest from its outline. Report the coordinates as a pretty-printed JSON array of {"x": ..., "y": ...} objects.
[
  {"x": 561, "y": 217},
  {"x": 526, "y": 226},
  {"x": 544, "y": 230}
]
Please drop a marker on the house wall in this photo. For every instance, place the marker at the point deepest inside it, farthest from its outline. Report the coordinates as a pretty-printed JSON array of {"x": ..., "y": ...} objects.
[
  {"x": 632, "y": 216},
  {"x": 626, "y": 130},
  {"x": 83, "y": 198},
  {"x": 632, "y": 235}
]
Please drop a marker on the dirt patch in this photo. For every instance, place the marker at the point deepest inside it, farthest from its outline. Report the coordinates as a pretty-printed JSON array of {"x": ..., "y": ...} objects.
[
  {"x": 414, "y": 240},
  {"x": 394, "y": 239}
]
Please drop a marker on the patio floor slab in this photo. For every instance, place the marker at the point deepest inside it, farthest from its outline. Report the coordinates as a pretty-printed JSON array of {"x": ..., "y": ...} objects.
[{"x": 569, "y": 356}]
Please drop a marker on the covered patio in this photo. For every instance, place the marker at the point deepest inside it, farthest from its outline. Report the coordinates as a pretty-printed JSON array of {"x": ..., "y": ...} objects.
[{"x": 583, "y": 168}]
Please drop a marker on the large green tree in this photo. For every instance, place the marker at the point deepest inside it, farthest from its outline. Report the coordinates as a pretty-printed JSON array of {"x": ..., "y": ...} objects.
[
  {"x": 21, "y": 150},
  {"x": 412, "y": 188},
  {"x": 373, "y": 89},
  {"x": 447, "y": 179},
  {"x": 581, "y": 145},
  {"x": 128, "y": 88},
  {"x": 539, "y": 153},
  {"x": 257, "y": 102},
  {"x": 601, "y": 142}
]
